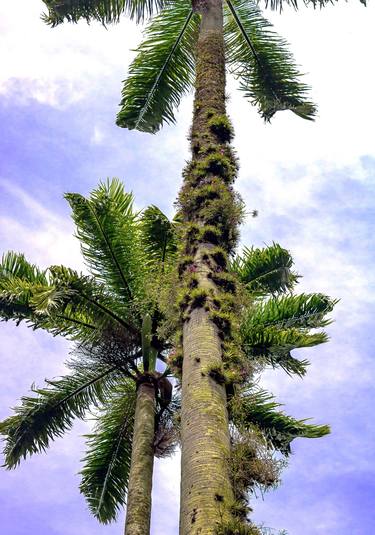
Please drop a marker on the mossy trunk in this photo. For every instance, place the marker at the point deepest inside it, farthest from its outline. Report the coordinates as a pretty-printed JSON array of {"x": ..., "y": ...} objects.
[
  {"x": 211, "y": 213},
  {"x": 138, "y": 510}
]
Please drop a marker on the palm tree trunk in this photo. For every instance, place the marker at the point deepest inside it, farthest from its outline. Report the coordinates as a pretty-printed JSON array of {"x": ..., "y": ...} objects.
[
  {"x": 211, "y": 213},
  {"x": 138, "y": 510}
]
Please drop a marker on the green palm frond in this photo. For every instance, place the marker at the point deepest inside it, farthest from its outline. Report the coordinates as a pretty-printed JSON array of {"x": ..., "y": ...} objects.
[
  {"x": 105, "y": 11},
  {"x": 274, "y": 346},
  {"x": 279, "y": 4},
  {"x": 259, "y": 409},
  {"x": 17, "y": 278},
  {"x": 262, "y": 63},
  {"x": 15, "y": 265},
  {"x": 107, "y": 463},
  {"x": 80, "y": 298},
  {"x": 108, "y": 230},
  {"x": 265, "y": 271},
  {"x": 162, "y": 71},
  {"x": 274, "y": 328},
  {"x": 158, "y": 237},
  {"x": 304, "y": 311},
  {"x": 47, "y": 415}
]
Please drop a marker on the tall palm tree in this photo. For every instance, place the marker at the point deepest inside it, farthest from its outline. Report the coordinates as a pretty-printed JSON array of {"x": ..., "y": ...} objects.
[
  {"x": 112, "y": 315},
  {"x": 186, "y": 45}
]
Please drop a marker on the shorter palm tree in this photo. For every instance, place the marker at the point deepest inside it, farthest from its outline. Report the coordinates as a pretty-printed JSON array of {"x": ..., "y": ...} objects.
[{"x": 112, "y": 315}]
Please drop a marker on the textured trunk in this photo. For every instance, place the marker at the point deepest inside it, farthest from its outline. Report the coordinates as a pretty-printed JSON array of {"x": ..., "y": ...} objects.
[
  {"x": 210, "y": 211},
  {"x": 138, "y": 510}
]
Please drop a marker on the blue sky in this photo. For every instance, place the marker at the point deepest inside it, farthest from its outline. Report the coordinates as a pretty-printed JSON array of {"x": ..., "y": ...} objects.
[{"x": 313, "y": 184}]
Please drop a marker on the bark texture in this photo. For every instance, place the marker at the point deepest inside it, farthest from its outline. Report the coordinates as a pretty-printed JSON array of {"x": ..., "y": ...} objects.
[
  {"x": 138, "y": 510},
  {"x": 211, "y": 212}
]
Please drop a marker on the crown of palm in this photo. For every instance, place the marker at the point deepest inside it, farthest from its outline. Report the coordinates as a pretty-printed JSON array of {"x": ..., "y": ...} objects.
[
  {"x": 163, "y": 70},
  {"x": 111, "y": 316}
]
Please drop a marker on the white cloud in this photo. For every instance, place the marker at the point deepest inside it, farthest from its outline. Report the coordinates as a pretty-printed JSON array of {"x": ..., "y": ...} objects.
[
  {"x": 58, "y": 66},
  {"x": 46, "y": 240}
]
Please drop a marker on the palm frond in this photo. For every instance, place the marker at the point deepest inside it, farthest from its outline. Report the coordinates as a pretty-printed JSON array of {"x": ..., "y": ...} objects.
[
  {"x": 26, "y": 294},
  {"x": 104, "y": 11},
  {"x": 273, "y": 347},
  {"x": 158, "y": 237},
  {"x": 261, "y": 410},
  {"x": 107, "y": 463},
  {"x": 303, "y": 311},
  {"x": 15, "y": 265},
  {"x": 270, "y": 331},
  {"x": 48, "y": 414},
  {"x": 279, "y": 4},
  {"x": 265, "y": 271},
  {"x": 163, "y": 70},
  {"x": 108, "y": 229},
  {"x": 17, "y": 278},
  {"x": 80, "y": 298},
  {"x": 262, "y": 63}
]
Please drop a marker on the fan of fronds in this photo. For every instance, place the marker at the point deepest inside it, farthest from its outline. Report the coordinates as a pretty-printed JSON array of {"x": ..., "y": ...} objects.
[
  {"x": 272, "y": 329},
  {"x": 51, "y": 410},
  {"x": 279, "y": 4},
  {"x": 258, "y": 408},
  {"x": 262, "y": 63},
  {"x": 163, "y": 70},
  {"x": 265, "y": 271},
  {"x": 105, "y": 11},
  {"x": 107, "y": 462}
]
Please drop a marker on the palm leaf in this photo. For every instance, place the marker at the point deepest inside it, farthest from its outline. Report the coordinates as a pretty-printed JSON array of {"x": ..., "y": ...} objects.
[
  {"x": 304, "y": 311},
  {"x": 162, "y": 71},
  {"x": 15, "y": 265},
  {"x": 278, "y": 4},
  {"x": 107, "y": 463},
  {"x": 259, "y": 409},
  {"x": 108, "y": 229},
  {"x": 260, "y": 60},
  {"x": 271, "y": 330},
  {"x": 105, "y": 11},
  {"x": 265, "y": 271},
  {"x": 41, "y": 418},
  {"x": 83, "y": 301},
  {"x": 158, "y": 237}
]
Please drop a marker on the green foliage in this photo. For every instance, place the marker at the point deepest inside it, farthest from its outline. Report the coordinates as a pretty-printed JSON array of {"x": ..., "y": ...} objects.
[
  {"x": 260, "y": 60},
  {"x": 265, "y": 271},
  {"x": 279, "y": 4},
  {"x": 103, "y": 312},
  {"x": 158, "y": 237},
  {"x": 225, "y": 281},
  {"x": 15, "y": 265},
  {"x": 276, "y": 327},
  {"x": 47, "y": 415},
  {"x": 162, "y": 71},
  {"x": 105, "y": 11},
  {"x": 221, "y": 126},
  {"x": 107, "y": 462},
  {"x": 304, "y": 311},
  {"x": 236, "y": 526},
  {"x": 216, "y": 163},
  {"x": 108, "y": 230},
  {"x": 258, "y": 408}
]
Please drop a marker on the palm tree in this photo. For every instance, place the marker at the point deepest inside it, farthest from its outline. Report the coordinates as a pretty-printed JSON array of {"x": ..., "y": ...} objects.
[
  {"x": 112, "y": 315},
  {"x": 190, "y": 45}
]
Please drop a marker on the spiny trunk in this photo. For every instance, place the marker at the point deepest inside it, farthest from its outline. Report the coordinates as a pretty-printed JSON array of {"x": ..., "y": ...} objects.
[
  {"x": 211, "y": 213},
  {"x": 138, "y": 510}
]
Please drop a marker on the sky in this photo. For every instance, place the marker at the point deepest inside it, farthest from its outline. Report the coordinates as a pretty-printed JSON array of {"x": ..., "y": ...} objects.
[{"x": 313, "y": 185}]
